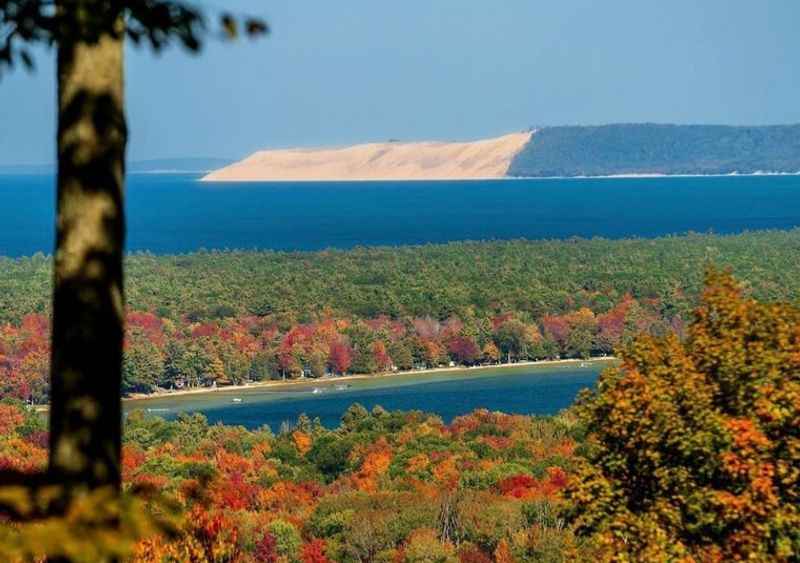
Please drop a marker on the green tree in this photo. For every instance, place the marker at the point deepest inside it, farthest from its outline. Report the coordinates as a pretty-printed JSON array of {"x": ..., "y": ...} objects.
[
  {"x": 264, "y": 366},
  {"x": 361, "y": 339},
  {"x": 330, "y": 455},
  {"x": 354, "y": 415},
  {"x": 317, "y": 363},
  {"x": 513, "y": 339},
  {"x": 142, "y": 366},
  {"x": 236, "y": 364},
  {"x": 400, "y": 353},
  {"x": 287, "y": 539},
  {"x": 186, "y": 362},
  {"x": 581, "y": 341}
]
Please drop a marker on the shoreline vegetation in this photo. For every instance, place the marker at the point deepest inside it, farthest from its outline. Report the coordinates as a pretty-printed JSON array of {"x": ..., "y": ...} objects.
[
  {"x": 332, "y": 379},
  {"x": 634, "y": 176},
  {"x": 513, "y": 487},
  {"x": 9, "y": 172},
  {"x": 228, "y": 318},
  {"x": 134, "y": 397}
]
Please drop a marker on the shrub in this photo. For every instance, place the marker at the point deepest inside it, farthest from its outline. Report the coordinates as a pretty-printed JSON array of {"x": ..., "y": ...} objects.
[{"x": 287, "y": 539}]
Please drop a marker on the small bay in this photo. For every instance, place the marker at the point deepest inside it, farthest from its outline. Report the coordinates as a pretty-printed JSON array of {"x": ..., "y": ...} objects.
[{"x": 527, "y": 389}]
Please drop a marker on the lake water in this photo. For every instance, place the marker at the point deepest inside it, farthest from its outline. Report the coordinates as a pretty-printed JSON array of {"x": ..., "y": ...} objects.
[
  {"x": 538, "y": 390},
  {"x": 175, "y": 213}
]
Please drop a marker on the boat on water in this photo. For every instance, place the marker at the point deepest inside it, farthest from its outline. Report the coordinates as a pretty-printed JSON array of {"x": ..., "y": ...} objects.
[
  {"x": 236, "y": 400},
  {"x": 316, "y": 391},
  {"x": 342, "y": 387}
]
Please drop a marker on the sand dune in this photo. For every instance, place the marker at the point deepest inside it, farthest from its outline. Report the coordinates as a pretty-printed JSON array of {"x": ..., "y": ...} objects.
[{"x": 487, "y": 158}]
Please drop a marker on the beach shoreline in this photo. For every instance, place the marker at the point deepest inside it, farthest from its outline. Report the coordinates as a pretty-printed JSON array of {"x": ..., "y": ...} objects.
[
  {"x": 339, "y": 180},
  {"x": 260, "y": 385}
]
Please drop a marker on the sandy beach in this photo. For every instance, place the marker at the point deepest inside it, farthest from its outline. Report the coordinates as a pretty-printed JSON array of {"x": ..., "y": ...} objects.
[{"x": 355, "y": 377}]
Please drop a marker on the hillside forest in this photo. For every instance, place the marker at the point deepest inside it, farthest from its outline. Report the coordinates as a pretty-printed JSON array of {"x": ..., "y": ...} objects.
[
  {"x": 222, "y": 318},
  {"x": 686, "y": 450}
]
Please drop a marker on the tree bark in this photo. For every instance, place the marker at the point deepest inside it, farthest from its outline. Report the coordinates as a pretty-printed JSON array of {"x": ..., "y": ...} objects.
[{"x": 88, "y": 298}]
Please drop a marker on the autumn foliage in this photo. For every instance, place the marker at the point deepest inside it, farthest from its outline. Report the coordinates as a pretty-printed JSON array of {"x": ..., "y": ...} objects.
[
  {"x": 695, "y": 446},
  {"x": 688, "y": 450},
  {"x": 162, "y": 353}
]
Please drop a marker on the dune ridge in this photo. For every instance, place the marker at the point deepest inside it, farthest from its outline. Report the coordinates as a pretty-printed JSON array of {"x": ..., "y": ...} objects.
[{"x": 425, "y": 160}]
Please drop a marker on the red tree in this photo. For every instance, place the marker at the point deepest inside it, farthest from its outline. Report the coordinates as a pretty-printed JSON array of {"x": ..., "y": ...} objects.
[
  {"x": 314, "y": 552},
  {"x": 464, "y": 349},
  {"x": 557, "y": 328},
  {"x": 340, "y": 358},
  {"x": 266, "y": 549}
]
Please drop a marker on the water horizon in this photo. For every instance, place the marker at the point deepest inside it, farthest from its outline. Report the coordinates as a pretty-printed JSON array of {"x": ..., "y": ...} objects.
[{"x": 178, "y": 214}]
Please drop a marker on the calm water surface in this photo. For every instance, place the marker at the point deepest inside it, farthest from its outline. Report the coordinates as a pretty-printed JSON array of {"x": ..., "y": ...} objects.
[
  {"x": 520, "y": 390},
  {"x": 175, "y": 213}
]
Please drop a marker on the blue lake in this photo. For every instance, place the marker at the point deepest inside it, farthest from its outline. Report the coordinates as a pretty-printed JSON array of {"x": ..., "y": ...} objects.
[
  {"x": 541, "y": 390},
  {"x": 175, "y": 213}
]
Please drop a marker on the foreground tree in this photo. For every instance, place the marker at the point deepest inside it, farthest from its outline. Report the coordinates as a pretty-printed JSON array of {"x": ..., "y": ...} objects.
[
  {"x": 88, "y": 294},
  {"x": 88, "y": 298},
  {"x": 694, "y": 449}
]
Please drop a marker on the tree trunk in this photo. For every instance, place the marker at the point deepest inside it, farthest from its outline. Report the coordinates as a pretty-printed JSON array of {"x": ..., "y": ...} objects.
[{"x": 88, "y": 299}]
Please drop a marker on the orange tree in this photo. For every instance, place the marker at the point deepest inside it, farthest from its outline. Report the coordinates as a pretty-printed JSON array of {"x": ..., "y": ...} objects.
[{"x": 694, "y": 447}]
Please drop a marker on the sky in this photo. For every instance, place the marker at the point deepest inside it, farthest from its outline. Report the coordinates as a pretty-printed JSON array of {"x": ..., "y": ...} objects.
[{"x": 334, "y": 73}]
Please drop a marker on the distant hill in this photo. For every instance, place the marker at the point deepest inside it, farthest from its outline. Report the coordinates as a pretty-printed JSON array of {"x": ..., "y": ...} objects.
[
  {"x": 161, "y": 165},
  {"x": 658, "y": 149},
  {"x": 392, "y": 160}
]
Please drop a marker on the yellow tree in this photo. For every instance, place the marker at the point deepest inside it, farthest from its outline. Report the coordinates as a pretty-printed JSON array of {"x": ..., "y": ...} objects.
[{"x": 694, "y": 447}]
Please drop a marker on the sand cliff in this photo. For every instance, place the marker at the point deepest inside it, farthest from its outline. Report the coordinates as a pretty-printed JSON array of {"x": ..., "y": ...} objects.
[{"x": 487, "y": 158}]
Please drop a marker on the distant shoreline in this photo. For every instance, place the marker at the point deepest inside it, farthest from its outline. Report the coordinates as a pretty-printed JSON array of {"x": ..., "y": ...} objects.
[
  {"x": 201, "y": 174},
  {"x": 138, "y": 397},
  {"x": 655, "y": 176},
  {"x": 643, "y": 176},
  {"x": 354, "y": 377}
]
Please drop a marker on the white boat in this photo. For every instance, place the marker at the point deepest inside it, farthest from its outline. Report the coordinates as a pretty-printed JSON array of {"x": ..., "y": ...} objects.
[
  {"x": 316, "y": 390},
  {"x": 237, "y": 400},
  {"x": 342, "y": 387}
]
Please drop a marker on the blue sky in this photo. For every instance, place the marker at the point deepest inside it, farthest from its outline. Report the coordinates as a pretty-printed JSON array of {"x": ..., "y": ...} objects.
[{"x": 366, "y": 70}]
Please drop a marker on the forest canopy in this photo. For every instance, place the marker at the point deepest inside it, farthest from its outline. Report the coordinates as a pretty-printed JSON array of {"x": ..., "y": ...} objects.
[
  {"x": 533, "y": 277},
  {"x": 686, "y": 450},
  {"x": 649, "y": 148},
  {"x": 221, "y": 318}
]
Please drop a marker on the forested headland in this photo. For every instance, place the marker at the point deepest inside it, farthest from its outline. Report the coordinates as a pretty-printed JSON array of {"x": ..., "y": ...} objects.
[
  {"x": 649, "y": 148},
  {"x": 218, "y": 318}
]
